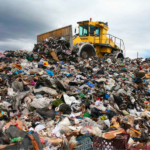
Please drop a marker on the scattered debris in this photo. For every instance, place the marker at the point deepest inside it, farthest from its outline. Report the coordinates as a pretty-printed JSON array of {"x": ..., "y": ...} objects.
[{"x": 52, "y": 99}]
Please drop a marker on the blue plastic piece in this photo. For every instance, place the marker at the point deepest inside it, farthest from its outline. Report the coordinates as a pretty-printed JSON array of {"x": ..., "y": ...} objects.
[
  {"x": 90, "y": 84},
  {"x": 49, "y": 72},
  {"x": 29, "y": 132},
  {"x": 20, "y": 71},
  {"x": 16, "y": 73},
  {"x": 107, "y": 96}
]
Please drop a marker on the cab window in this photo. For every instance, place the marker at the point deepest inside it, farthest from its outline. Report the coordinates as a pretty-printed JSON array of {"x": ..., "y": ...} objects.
[
  {"x": 92, "y": 30},
  {"x": 96, "y": 29},
  {"x": 83, "y": 30}
]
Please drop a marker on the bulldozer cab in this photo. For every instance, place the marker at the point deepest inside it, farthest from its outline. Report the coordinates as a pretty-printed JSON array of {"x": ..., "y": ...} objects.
[{"x": 89, "y": 31}]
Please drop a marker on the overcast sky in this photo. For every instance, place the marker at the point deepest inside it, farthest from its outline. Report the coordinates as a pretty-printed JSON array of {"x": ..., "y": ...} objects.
[{"x": 22, "y": 20}]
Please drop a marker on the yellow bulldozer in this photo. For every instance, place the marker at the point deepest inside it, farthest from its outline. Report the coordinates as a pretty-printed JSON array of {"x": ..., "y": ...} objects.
[{"x": 92, "y": 39}]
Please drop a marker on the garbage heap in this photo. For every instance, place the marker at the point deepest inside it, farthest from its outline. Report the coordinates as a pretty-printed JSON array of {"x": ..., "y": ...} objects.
[{"x": 51, "y": 100}]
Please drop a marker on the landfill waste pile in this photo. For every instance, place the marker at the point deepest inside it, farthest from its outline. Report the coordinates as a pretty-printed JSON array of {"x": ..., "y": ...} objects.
[{"x": 51, "y": 99}]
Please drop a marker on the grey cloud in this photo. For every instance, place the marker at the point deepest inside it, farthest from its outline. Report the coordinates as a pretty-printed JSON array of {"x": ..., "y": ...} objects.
[{"x": 20, "y": 21}]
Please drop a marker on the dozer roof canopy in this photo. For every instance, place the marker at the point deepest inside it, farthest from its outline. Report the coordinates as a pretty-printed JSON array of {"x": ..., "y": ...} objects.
[{"x": 97, "y": 23}]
